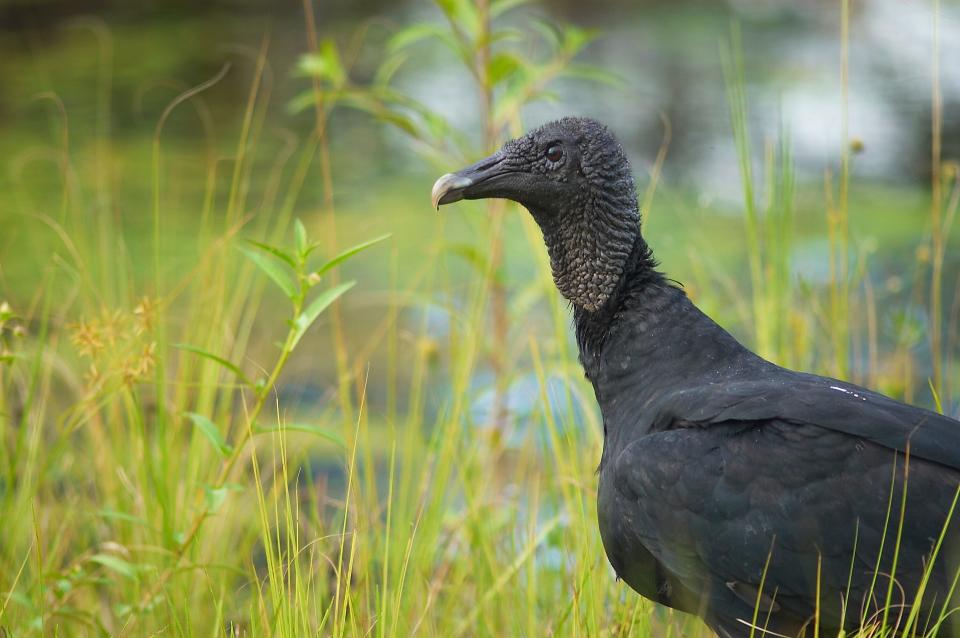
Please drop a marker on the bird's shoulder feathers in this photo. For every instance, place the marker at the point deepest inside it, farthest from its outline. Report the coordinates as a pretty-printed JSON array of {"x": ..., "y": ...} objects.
[{"x": 807, "y": 399}]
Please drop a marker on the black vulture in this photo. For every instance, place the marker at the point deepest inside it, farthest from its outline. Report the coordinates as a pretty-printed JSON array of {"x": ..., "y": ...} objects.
[{"x": 729, "y": 487}]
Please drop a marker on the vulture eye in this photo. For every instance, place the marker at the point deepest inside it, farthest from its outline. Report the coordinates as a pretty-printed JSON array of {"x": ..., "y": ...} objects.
[{"x": 555, "y": 153}]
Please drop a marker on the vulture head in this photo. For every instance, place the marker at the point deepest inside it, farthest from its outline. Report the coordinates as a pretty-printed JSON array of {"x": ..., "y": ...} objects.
[{"x": 574, "y": 178}]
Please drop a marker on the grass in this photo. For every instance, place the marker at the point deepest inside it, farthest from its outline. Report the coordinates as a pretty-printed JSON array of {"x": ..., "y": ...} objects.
[{"x": 162, "y": 473}]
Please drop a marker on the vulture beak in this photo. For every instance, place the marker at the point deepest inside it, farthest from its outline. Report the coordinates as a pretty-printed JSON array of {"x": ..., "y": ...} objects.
[
  {"x": 474, "y": 182},
  {"x": 448, "y": 189}
]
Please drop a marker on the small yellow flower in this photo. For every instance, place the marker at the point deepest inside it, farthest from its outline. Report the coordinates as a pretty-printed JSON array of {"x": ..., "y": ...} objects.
[
  {"x": 87, "y": 337},
  {"x": 145, "y": 314},
  {"x": 128, "y": 371},
  {"x": 147, "y": 359},
  {"x": 137, "y": 367}
]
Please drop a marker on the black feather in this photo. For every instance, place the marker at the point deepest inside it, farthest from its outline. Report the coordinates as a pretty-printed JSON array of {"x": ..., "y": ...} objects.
[{"x": 728, "y": 483}]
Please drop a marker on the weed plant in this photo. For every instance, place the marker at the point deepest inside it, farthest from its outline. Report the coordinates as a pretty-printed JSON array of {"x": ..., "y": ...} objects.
[{"x": 155, "y": 477}]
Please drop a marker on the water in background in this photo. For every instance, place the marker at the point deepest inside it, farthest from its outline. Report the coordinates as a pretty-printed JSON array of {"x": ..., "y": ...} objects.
[
  {"x": 116, "y": 65},
  {"x": 665, "y": 51}
]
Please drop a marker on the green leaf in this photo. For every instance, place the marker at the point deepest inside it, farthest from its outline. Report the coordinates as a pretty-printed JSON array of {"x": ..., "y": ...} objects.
[
  {"x": 272, "y": 270},
  {"x": 276, "y": 252},
  {"x": 350, "y": 252},
  {"x": 329, "y": 52},
  {"x": 504, "y": 66},
  {"x": 388, "y": 68},
  {"x": 210, "y": 430},
  {"x": 121, "y": 516},
  {"x": 366, "y": 103},
  {"x": 471, "y": 254},
  {"x": 548, "y": 32},
  {"x": 415, "y": 33},
  {"x": 508, "y": 34},
  {"x": 232, "y": 367},
  {"x": 302, "y": 427},
  {"x": 115, "y": 564},
  {"x": 575, "y": 38},
  {"x": 318, "y": 305},
  {"x": 301, "y": 234},
  {"x": 514, "y": 96},
  {"x": 324, "y": 64},
  {"x": 302, "y": 101},
  {"x": 215, "y": 496},
  {"x": 462, "y": 12},
  {"x": 936, "y": 395},
  {"x": 499, "y": 7},
  {"x": 432, "y": 127},
  {"x": 437, "y": 125},
  {"x": 428, "y": 31},
  {"x": 402, "y": 122}
]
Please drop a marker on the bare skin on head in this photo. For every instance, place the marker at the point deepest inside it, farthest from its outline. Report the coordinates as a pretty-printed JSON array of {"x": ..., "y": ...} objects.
[{"x": 566, "y": 165}]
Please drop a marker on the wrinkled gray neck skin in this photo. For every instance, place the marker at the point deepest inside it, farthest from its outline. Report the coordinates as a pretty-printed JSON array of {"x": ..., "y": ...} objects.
[{"x": 589, "y": 236}]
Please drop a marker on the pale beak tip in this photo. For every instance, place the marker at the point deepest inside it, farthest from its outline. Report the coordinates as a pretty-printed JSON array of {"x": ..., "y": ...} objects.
[{"x": 447, "y": 189}]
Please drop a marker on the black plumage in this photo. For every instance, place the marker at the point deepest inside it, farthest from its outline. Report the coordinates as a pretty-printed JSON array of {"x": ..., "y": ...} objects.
[{"x": 729, "y": 487}]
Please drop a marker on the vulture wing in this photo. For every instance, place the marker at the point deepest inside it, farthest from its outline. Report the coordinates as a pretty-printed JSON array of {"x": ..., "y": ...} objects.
[{"x": 757, "y": 496}]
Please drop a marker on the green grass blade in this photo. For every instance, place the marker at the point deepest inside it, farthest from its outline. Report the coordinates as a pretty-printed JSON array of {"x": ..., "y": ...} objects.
[
  {"x": 232, "y": 367},
  {"x": 317, "y": 306},
  {"x": 209, "y": 429},
  {"x": 350, "y": 252},
  {"x": 272, "y": 270},
  {"x": 324, "y": 433}
]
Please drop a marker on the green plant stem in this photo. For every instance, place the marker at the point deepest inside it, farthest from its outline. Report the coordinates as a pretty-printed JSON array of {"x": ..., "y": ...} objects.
[
  {"x": 326, "y": 176},
  {"x": 840, "y": 284},
  {"x": 936, "y": 212},
  {"x": 225, "y": 471},
  {"x": 495, "y": 210}
]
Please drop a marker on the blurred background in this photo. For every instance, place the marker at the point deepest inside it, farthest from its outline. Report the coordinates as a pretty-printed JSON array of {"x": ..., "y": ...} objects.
[
  {"x": 115, "y": 66},
  {"x": 797, "y": 169}
]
